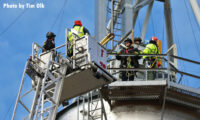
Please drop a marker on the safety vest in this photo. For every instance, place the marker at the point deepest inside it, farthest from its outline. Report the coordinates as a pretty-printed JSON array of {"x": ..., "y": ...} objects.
[
  {"x": 150, "y": 49},
  {"x": 78, "y": 29}
]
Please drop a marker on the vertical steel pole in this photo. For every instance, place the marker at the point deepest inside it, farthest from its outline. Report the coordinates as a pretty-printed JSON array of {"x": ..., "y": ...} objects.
[
  {"x": 135, "y": 13},
  {"x": 145, "y": 25},
  {"x": 127, "y": 17},
  {"x": 196, "y": 10},
  {"x": 168, "y": 21},
  {"x": 112, "y": 21},
  {"x": 100, "y": 19},
  {"x": 20, "y": 89}
]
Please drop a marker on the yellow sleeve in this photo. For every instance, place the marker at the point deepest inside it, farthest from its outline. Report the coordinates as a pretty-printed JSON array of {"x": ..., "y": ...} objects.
[{"x": 147, "y": 49}]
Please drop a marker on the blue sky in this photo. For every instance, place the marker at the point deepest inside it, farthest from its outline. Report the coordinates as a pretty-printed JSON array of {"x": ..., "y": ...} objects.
[{"x": 16, "y": 42}]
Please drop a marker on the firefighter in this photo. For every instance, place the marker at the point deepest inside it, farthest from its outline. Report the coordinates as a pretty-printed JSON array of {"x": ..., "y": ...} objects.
[
  {"x": 151, "y": 62},
  {"x": 137, "y": 40},
  {"x": 50, "y": 42},
  {"x": 128, "y": 62},
  {"x": 79, "y": 31}
]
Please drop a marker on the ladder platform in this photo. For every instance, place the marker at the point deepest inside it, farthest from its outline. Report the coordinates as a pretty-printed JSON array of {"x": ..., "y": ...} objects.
[
  {"x": 83, "y": 81},
  {"x": 153, "y": 90},
  {"x": 138, "y": 83}
]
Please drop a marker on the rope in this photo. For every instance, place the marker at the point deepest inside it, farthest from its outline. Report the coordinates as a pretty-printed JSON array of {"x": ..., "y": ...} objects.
[
  {"x": 153, "y": 62},
  {"x": 61, "y": 21},
  {"x": 15, "y": 20},
  {"x": 59, "y": 14},
  {"x": 7, "y": 113}
]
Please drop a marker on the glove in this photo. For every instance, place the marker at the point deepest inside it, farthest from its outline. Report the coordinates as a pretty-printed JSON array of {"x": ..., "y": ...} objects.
[
  {"x": 146, "y": 63},
  {"x": 159, "y": 64},
  {"x": 117, "y": 56}
]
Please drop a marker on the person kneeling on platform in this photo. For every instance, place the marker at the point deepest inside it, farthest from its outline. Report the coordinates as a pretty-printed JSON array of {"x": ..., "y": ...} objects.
[{"x": 128, "y": 61}]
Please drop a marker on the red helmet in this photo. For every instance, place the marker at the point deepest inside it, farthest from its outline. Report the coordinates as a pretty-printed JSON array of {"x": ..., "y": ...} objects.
[
  {"x": 77, "y": 22},
  {"x": 154, "y": 39}
]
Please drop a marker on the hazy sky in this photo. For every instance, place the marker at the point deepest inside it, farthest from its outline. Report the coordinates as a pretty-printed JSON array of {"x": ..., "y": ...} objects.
[{"x": 16, "y": 41}]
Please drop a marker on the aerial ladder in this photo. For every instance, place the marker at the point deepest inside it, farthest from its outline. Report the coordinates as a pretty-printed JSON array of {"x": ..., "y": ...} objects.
[{"x": 57, "y": 78}]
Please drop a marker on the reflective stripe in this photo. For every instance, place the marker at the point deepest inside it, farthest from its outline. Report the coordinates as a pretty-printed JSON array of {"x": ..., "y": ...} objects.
[
  {"x": 79, "y": 29},
  {"x": 150, "y": 49}
]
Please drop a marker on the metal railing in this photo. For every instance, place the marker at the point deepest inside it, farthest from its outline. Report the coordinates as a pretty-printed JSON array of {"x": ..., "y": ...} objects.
[{"x": 170, "y": 69}]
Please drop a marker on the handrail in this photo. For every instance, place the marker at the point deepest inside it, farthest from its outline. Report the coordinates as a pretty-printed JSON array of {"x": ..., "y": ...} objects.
[
  {"x": 149, "y": 55},
  {"x": 138, "y": 69},
  {"x": 185, "y": 59}
]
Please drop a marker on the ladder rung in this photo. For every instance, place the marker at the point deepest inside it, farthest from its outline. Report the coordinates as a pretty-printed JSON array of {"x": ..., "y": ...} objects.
[
  {"x": 117, "y": 11},
  {"x": 117, "y": 29},
  {"x": 97, "y": 117},
  {"x": 118, "y": 17},
  {"x": 117, "y": 35},
  {"x": 95, "y": 100},
  {"x": 115, "y": 40},
  {"x": 95, "y": 109},
  {"x": 117, "y": 23},
  {"x": 116, "y": 1}
]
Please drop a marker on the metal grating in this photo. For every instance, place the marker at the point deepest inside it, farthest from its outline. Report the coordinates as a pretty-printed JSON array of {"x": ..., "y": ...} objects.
[{"x": 152, "y": 90}]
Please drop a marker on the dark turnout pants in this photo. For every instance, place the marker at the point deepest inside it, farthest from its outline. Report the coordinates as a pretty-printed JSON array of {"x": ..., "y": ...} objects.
[
  {"x": 127, "y": 77},
  {"x": 151, "y": 75}
]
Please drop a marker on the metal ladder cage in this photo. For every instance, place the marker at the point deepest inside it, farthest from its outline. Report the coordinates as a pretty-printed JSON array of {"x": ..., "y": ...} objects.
[
  {"x": 47, "y": 77},
  {"x": 114, "y": 25},
  {"x": 96, "y": 105},
  {"x": 92, "y": 106}
]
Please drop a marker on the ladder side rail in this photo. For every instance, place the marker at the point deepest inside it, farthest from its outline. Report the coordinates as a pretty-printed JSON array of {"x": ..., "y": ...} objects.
[
  {"x": 83, "y": 107},
  {"x": 33, "y": 108},
  {"x": 43, "y": 82},
  {"x": 35, "y": 49},
  {"x": 103, "y": 108},
  {"x": 56, "y": 96},
  {"x": 78, "y": 100},
  {"x": 20, "y": 89},
  {"x": 88, "y": 106}
]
